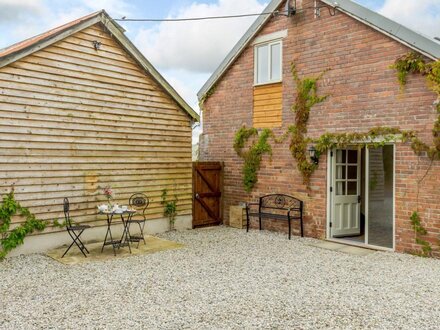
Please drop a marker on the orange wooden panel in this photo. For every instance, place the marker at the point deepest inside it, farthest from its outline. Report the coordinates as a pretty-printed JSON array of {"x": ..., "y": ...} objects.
[{"x": 268, "y": 104}]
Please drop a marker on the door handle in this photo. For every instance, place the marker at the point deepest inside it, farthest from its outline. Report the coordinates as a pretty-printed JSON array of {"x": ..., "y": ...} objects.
[
  {"x": 359, "y": 198},
  {"x": 197, "y": 196}
]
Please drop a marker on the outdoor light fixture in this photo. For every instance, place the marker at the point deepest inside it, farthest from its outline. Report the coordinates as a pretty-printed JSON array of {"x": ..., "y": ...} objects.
[
  {"x": 96, "y": 44},
  {"x": 313, "y": 155}
]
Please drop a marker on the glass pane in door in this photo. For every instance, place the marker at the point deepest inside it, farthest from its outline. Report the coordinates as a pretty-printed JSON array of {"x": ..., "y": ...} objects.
[
  {"x": 381, "y": 196},
  {"x": 340, "y": 156}
]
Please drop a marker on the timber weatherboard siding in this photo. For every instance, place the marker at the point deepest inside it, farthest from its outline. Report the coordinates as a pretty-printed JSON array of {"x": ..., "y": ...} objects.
[
  {"x": 74, "y": 120},
  {"x": 268, "y": 105}
]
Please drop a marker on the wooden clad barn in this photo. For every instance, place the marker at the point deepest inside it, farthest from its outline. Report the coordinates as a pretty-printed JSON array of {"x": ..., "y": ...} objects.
[{"x": 81, "y": 109}]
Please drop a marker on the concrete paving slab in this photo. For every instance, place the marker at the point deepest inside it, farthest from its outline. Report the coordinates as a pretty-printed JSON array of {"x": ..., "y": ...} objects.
[
  {"x": 329, "y": 245},
  {"x": 353, "y": 250},
  {"x": 74, "y": 256}
]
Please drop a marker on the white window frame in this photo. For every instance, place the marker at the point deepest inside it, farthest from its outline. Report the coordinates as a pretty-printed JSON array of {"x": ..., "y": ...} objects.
[{"x": 269, "y": 44}]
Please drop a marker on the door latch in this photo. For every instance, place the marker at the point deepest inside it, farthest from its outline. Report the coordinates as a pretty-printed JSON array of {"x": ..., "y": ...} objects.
[{"x": 359, "y": 198}]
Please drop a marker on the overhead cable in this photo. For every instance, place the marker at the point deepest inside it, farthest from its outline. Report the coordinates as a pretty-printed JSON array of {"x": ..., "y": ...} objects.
[
  {"x": 274, "y": 13},
  {"x": 204, "y": 18}
]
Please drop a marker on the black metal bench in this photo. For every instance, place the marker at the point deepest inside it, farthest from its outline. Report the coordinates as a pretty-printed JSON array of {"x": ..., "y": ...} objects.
[{"x": 277, "y": 207}]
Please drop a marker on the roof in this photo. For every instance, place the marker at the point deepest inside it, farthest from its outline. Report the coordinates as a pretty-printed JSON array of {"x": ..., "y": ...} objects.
[
  {"x": 29, "y": 46},
  {"x": 416, "y": 41}
]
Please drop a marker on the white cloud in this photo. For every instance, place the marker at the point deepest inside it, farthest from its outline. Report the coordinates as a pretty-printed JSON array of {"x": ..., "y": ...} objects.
[
  {"x": 79, "y": 8},
  {"x": 186, "y": 83},
  {"x": 421, "y": 15},
  {"x": 13, "y": 10},
  {"x": 197, "y": 46},
  {"x": 116, "y": 8},
  {"x": 26, "y": 18}
]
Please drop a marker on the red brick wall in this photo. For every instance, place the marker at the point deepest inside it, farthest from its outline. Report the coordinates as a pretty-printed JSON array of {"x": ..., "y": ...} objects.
[{"x": 364, "y": 93}]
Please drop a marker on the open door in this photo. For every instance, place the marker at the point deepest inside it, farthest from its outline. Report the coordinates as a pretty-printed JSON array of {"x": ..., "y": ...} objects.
[{"x": 346, "y": 190}]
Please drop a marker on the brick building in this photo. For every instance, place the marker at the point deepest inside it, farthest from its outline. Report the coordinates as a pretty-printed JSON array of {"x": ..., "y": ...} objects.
[{"x": 358, "y": 195}]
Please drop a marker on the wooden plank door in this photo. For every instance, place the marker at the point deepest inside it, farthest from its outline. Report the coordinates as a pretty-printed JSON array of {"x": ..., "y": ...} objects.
[{"x": 207, "y": 194}]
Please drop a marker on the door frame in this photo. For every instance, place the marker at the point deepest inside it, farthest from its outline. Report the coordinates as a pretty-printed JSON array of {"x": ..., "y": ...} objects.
[{"x": 330, "y": 194}]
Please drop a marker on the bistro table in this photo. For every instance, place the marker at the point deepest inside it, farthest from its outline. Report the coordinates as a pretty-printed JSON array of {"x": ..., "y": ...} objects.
[{"x": 125, "y": 238}]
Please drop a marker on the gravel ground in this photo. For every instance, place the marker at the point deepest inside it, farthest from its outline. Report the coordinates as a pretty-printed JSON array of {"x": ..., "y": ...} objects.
[{"x": 224, "y": 279}]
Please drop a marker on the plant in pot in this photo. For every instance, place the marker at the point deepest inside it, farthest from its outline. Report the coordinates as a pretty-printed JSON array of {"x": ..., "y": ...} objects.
[{"x": 169, "y": 207}]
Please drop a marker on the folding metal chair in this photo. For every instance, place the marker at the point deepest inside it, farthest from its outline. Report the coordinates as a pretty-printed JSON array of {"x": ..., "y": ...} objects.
[
  {"x": 74, "y": 231},
  {"x": 138, "y": 202}
]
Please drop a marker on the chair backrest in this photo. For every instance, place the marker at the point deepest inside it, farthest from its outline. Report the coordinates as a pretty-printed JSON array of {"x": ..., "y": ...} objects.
[
  {"x": 139, "y": 202},
  {"x": 280, "y": 202},
  {"x": 67, "y": 212}
]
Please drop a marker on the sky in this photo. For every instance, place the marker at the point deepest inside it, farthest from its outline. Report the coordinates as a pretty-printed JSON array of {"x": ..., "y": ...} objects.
[{"x": 185, "y": 53}]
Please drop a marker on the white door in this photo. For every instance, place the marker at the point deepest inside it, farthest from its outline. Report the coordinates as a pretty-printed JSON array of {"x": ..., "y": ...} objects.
[{"x": 346, "y": 172}]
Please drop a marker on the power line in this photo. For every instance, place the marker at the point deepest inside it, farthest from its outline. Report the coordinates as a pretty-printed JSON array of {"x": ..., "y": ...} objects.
[
  {"x": 274, "y": 13},
  {"x": 289, "y": 12}
]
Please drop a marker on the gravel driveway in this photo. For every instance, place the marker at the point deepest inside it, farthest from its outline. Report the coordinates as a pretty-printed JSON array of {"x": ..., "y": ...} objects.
[{"x": 224, "y": 279}]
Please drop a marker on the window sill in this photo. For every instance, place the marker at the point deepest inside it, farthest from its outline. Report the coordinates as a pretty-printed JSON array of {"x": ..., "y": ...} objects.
[{"x": 268, "y": 83}]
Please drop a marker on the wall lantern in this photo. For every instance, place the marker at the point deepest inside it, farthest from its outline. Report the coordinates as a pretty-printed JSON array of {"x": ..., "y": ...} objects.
[
  {"x": 313, "y": 155},
  {"x": 96, "y": 44}
]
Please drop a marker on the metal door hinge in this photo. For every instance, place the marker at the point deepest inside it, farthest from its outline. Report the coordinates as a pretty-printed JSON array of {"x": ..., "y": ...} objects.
[
  {"x": 331, "y": 224},
  {"x": 331, "y": 189}
]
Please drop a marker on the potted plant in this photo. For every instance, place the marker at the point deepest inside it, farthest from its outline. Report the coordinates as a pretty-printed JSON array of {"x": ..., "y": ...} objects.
[{"x": 169, "y": 207}]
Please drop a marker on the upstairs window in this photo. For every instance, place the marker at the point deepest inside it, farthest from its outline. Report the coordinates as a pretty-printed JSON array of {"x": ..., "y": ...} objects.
[{"x": 268, "y": 62}]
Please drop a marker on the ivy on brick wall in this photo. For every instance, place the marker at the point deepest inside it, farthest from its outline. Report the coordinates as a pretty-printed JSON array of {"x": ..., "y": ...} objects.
[
  {"x": 307, "y": 97},
  {"x": 253, "y": 156},
  {"x": 416, "y": 64},
  {"x": 413, "y": 63},
  {"x": 210, "y": 92}
]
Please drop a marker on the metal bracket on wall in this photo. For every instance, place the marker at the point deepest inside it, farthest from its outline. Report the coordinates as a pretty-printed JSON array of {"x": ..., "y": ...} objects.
[
  {"x": 289, "y": 9},
  {"x": 331, "y": 11}
]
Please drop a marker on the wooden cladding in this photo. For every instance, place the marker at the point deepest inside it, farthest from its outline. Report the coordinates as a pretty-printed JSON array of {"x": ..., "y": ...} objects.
[
  {"x": 74, "y": 120},
  {"x": 268, "y": 104}
]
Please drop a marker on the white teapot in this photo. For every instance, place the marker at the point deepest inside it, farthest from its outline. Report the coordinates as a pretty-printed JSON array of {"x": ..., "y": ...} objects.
[{"x": 103, "y": 208}]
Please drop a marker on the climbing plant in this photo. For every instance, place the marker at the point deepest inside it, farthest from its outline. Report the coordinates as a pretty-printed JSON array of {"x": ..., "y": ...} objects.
[
  {"x": 406, "y": 64},
  {"x": 375, "y": 137},
  {"x": 416, "y": 64},
  {"x": 419, "y": 230},
  {"x": 169, "y": 207},
  {"x": 11, "y": 238},
  {"x": 306, "y": 98},
  {"x": 210, "y": 92},
  {"x": 252, "y": 157}
]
